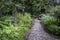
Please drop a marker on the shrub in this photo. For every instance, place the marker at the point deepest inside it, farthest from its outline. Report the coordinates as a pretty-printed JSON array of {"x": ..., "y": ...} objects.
[
  {"x": 26, "y": 19},
  {"x": 54, "y": 29},
  {"x": 52, "y": 20},
  {"x": 14, "y": 33},
  {"x": 5, "y": 20},
  {"x": 50, "y": 24},
  {"x": 47, "y": 19},
  {"x": 55, "y": 11}
]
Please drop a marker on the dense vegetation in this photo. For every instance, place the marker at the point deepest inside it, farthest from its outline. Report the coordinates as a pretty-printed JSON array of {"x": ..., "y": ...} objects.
[
  {"x": 52, "y": 20},
  {"x": 9, "y": 32},
  {"x": 15, "y": 17}
]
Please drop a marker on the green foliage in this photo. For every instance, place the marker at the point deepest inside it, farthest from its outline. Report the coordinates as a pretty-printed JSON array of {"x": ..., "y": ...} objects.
[
  {"x": 52, "y": 20},
  {"x": 54, "y": 29},
  {"x": 5, "y": 6},
  {"x": 50, "y": 23},
  {"x": 26, "y": 19},
  {"x": 35, "y": 5},
  {"x": 55, "y": 11},
  {"x": 6, "y": 20},
  {"x": 14, "y": 33},
  {"x": 30, "y": 5},
  {"x": 47, "y": 19}
]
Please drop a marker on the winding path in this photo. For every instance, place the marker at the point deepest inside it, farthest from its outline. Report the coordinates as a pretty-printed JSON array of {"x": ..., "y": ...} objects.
[{"x": 37, "y": 32}]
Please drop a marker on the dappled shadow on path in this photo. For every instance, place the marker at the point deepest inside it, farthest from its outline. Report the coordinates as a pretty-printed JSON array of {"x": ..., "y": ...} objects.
[{"x": 38, "y": 33}]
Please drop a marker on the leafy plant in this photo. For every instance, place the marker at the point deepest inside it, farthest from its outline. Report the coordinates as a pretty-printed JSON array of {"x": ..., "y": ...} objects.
[
  {"x": 52, "y": 20},
  {"x": 14, "y": 33},
  {"x": 47, "y": 19},
  {"x": 54, "y": 29},
  {"x": 55, "y": 11}
]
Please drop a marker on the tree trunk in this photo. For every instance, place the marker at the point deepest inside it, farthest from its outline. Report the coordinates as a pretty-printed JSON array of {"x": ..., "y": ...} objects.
[
  {"x": 23, "y": 11},
  {"x": 14, "y": 15}
]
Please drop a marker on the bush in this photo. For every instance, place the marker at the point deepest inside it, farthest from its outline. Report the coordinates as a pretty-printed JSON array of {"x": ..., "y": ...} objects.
[
  {"x": 47, "y": 19},
  {"x": 26, "y": 19},
  {"x": 55, "y": 11},
  {"x": 54, "y": 29},
  {"x": 6, "y": 20},
  {"x": 50, "y": 23},
  {"x": 51, "y": 20},
  {"x": 15, "y": 33}
]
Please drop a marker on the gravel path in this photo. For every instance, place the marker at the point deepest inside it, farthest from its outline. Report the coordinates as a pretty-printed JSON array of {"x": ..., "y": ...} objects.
[{"x": 37, "y": 32}]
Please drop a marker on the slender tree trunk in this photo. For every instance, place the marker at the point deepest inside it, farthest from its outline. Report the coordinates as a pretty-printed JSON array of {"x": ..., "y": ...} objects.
[
  {"x": 14, "y": 15},
  {"x": 23, "y": 11}
]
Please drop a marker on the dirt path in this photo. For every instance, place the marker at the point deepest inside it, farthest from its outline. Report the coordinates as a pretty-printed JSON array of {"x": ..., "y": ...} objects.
[{"x": 37, "y": 32}]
